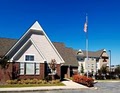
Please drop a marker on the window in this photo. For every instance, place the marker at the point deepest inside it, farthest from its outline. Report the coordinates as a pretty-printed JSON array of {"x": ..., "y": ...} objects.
[
  {"x": 37, "y": 69},
  {"x": 92, "y": 65},
  {"x": 22, "y": 68},
  {"x": 29, "y": 57},
  {"x": 104, "y": 60},
  {"x": 80, "y": 58},
  {"x": 29, "y": 68}
]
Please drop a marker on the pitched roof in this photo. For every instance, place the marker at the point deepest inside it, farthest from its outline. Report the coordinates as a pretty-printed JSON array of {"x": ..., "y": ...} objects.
[
  {"x": 68, "y": 54},
  {"x": 5, "y": 45},
  {"x": 93, "y": 53},
  {"x": 37, "y": 35},
  {"x": 36, "y": 26}
]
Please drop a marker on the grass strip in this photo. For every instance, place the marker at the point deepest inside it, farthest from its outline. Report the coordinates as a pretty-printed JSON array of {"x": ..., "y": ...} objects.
[{"x": 29, "y": 85}]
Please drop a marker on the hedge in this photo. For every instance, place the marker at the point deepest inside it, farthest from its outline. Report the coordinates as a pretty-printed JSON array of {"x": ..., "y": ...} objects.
[
  {"x": 83, "y": 80},
  {"x": 32, "y": 81}
]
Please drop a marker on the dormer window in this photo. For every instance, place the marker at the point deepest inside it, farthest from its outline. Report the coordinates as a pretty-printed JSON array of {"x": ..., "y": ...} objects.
[{"x": 104, "y": 60}]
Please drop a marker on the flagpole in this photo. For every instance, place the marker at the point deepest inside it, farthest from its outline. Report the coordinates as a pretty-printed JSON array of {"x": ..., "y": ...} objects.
[
  {"x": 87, "y": 43},
  {"x": 87, "y": 51}
]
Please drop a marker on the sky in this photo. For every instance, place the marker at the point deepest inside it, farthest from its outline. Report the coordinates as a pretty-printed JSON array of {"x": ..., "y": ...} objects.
[{"x": 63, "y": 21}]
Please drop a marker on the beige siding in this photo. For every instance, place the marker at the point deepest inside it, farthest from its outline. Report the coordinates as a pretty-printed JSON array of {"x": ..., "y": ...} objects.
[
  {"x": 29, "y": 49},
  {"x": 45, "y": 47},
  {"x": 90, "y": 65}
]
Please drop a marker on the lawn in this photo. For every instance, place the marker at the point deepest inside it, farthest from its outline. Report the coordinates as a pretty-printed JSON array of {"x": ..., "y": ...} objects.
[{"x": 29, "y": 85}]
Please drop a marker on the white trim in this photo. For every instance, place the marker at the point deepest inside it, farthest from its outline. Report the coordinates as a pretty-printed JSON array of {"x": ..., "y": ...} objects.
[
  {"x": 17, "y": 42},
  {"x": 24, "y": 46},
  {"x": 20, "y": 48},
  {"x": 54, "y": 47},
  {"x": 32, "y": 27},
  {"x": 31, "y": 61}
]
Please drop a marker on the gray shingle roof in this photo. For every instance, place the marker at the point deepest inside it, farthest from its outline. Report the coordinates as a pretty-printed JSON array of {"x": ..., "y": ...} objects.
[
  {"x": 68, "y": 54},
  {"x": 5, "y": 45},
  {"x": 93, "y": 53}
]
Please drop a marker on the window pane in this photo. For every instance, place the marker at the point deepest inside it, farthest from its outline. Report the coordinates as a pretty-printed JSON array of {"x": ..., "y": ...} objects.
[
  {"x": 37, "y": 68},
  {"x": 31, "y": 58},
  {"x": 37, "y": 65},
  {"x": 21, "y": 71},
  {"x": 37, "y": 72},
  {"x": 30, "y": 68},
  {"x": 27, "y": 58},
  {"x": 21, "y": 68}
]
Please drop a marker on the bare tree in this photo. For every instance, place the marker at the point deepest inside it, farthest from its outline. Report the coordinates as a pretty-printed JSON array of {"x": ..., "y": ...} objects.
[{"x": 53, "y": 66}]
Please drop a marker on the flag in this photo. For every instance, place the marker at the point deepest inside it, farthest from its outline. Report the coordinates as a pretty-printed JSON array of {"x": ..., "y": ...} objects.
[
  {"x": 85, "y": 27},
  {"x": 86, "y": 24}
]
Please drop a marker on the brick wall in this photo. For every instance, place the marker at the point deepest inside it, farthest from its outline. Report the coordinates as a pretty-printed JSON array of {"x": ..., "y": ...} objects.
[
  {"x": 6, "y": 73},
  {"x": 58, "y": 70}
]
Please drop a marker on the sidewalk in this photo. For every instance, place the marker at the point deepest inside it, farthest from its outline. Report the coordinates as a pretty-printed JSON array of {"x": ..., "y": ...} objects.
[{"x": 69, "y": 85}]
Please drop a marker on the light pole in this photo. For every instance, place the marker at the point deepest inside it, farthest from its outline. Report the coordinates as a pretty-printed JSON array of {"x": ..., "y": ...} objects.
[{"x": 110, "y": 62}]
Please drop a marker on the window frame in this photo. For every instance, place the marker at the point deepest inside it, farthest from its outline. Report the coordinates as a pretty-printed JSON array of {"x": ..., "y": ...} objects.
[
  {"x": 22, "y": 69},
  {"x": 29, "y": 55}
]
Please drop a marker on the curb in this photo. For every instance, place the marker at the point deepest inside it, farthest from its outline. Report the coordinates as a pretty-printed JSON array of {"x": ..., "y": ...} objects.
[{"x": 27, "y": 89}]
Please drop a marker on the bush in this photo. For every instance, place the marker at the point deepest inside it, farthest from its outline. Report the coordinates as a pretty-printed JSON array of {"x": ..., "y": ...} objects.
[
  {"x": 11, "y": 81},
  {"x": 22, "y": 82},
  {"x": 39, "y": 81},
  {"x": 83, "y": 80},
  {"x": 48, "y": 78},
  {"x": 32, "y": 81},
  {"x": 27, "y": 81},
  {"x": 53, "y": 82},
  {"x": 8, "y": 82},
  {"x": 35, "y": 81},
  {"x": 14, "y": 81},
  {"x": 44, "y": 82},
  {"x": 57, "y": 81}
]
